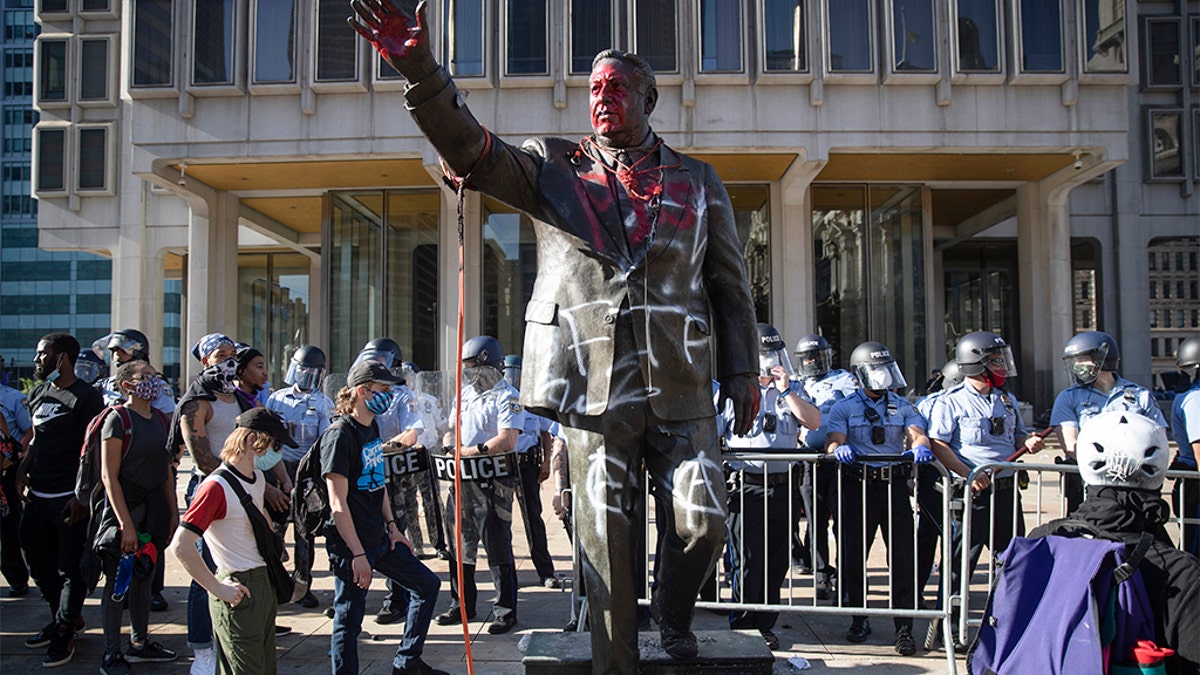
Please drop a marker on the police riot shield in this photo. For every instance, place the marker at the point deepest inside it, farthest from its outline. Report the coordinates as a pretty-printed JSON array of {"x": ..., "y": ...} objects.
[{"x": 333, "y": 384}]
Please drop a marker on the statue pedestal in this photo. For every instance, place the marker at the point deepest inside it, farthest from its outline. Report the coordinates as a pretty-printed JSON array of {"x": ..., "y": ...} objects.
[{"x": 726, "y": 652}]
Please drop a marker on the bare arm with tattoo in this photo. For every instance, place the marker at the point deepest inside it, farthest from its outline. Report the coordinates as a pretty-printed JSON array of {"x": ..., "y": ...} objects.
[{"x": 193, "y": 418}]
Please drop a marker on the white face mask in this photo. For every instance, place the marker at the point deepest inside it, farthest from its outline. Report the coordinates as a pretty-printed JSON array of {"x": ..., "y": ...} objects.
[{"x": 224, "y": 372}]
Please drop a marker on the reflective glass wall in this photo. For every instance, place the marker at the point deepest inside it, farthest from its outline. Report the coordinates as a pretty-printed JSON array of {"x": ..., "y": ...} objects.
[{"x": 273, "y": 305}]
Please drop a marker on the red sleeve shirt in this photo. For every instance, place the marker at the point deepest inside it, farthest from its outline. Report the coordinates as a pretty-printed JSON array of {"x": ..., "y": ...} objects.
[{"x": 208, "y": 504}]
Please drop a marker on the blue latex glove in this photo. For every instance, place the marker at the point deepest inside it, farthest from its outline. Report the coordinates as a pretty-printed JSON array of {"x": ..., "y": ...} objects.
[
  {"x": 845, "y": 454},
  {"x": 921, "y": 454}
]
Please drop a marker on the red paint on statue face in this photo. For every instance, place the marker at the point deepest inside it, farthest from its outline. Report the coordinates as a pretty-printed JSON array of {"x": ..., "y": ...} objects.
[{"x": 618, "y": 110}]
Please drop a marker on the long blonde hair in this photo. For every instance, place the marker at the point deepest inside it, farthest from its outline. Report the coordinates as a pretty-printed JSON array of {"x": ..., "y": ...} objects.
[
  {"x": 235, "y": 443},
  {"x": 345, "y": 401}
]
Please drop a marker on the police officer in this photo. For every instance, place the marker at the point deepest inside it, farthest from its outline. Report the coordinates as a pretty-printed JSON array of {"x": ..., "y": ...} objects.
[
  {"x": 825, "y": 386},
  {"x": 1185, "y": 427},
  {"x": 533, "y": 460},
  {"x": 876, "y": 421},
  {"x": 929, "y": 490},
  {"x": 492, "y": 419},
  {"x": 306, "y": 411},
  {"x": 125, "y": 345},
  {"x": 1091, "y": 359},
  {"x": 977, "y": 422},
  {"x": 90, "y": 368},
  {"x": 763, "y": 507}
]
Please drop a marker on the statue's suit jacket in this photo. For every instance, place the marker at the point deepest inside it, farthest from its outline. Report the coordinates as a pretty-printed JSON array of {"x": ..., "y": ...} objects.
[{"x": 688, "y": 296}]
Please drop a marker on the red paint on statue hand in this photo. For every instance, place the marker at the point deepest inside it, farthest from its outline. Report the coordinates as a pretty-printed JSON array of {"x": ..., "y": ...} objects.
[{"x": 395, "y": 36}]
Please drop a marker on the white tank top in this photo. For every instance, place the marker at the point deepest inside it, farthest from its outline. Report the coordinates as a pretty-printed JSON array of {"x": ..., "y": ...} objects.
[{"x": 221, "y": 424}]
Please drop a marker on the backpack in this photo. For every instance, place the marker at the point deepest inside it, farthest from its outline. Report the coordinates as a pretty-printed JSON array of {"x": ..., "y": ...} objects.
[
  {"x": 88, "y": 486},
  {"x": 310, "y": 496},
  {"x": 1064, "y": 604}
]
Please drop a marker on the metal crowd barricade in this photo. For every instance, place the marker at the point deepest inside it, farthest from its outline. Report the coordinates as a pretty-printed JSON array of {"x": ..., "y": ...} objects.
[
  {"x": 1049, "y": 503},
  {"x": 798, "y": 595}
]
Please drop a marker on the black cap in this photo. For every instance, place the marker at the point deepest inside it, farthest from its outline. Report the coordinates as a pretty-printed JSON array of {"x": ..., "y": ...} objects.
[
  {"x": 371, "y": 371},
  {"x": 266, "y": 421}
]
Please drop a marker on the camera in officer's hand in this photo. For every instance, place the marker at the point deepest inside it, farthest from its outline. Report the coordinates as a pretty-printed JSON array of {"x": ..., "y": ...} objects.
[
  {"x": 997, "y": 425},
  {"x": 878, "y": 435},
  {"x": 769, "y": 422}
]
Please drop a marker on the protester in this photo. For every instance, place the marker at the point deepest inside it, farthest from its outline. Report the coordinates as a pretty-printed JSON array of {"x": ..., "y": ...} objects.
[{"x": 19, "y": 428}]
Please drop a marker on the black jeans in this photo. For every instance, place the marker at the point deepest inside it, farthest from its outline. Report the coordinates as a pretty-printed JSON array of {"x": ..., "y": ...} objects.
[
  {"x": 54, "y": 550},
  {"x": 761, "y": 518},
  {"x": 531, "y": 511}
]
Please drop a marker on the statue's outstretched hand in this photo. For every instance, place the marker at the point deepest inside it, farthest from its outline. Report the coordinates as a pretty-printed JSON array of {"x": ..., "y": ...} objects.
[
  {"x": 744, "y": 392},
  {"x": 402, "y": 41}
]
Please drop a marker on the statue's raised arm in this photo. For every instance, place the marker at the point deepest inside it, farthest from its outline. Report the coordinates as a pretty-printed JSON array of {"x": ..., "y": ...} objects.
[{"x": 402, "y": 40}]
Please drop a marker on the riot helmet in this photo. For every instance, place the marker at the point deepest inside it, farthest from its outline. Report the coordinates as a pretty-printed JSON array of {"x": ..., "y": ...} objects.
[
  {"x": 952, "y": 375},
  {"x": 771, "y": 351},
  {"x": 483, "y": 359},
  {"x": 1187, "y": 356},
  {"x": 384, "y": 350},
  {"x": 1123, "y": 449},
  {"x": 1088, "y": 353},
  {"x": 975, "y": 352},
  {"x": 89, "y": 367},
  {"x": 512, "y": 370},
  {"x": 814, "y": 356},
  {"x": 306, "y": 368},
  {"x": 129, "y": 340},
  {"x": 875, "y": 367}
]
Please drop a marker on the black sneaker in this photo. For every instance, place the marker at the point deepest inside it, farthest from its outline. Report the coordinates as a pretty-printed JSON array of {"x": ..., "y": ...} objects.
[
  {"x": 158, "y": 603},
  {"x": 502, "y": 624},
  {"x": 18, "y": 591},
  {"x": 280, "y": 631},
  {"x": 386, "y": 616},
  {"x": 309, "y": 601},
  {"x": 42, "y": 638},
  {"x": 151, "y": 652},
  {"x": 771, "y": 639},
  {"x": 859, "y": 630},
  {"x": 905, "y": 645},
  {"x": 114, "y": 663},
  {"x": 62, "y": 647},
  {"x": 451, "y": 617},
  {"x": 418, "y": 667}
]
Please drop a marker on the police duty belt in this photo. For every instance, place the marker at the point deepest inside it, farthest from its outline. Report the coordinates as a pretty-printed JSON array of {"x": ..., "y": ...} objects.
[
  {"x": 412, "y": 460},
  {"x": 479, "y": 468}
]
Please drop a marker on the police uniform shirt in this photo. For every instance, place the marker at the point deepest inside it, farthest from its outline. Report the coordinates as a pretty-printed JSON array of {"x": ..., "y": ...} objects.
[
  {"x": 835, "y": 386},
  {"x": 1077, "y": 404},
  {"x": 401, "y": 416},
  {"x": 306, "y": 415},
  {"x": 1185, "y": 423},
  {"x": 16, "y": 415},
  {"x": 924, "y": 405},
  {"x": 759, "y": 438},
  {"x": 484, "y": 415},
  {"x": 962, "y": 420},
  {"x": 531, "y": 432},
  {"x": 894, "y": 413}
]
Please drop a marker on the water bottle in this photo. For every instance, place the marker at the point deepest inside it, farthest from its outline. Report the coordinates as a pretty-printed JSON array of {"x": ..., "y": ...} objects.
[{"x": 124, "y": 576}]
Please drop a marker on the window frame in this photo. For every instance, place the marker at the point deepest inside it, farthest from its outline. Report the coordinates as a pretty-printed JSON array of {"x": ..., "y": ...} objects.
[
  {"x": 113, "y": 44},
  {"x": 110, "y": 12},
  {"x": 282, "y": 87},
  {"x": 1193, "y": 78},
  {"x": 42, "y": 15},
  {"x": 1016, "y": 49},
  {"x": 443, "y": 45},
  {"x": 39, "y": 103},
  {"x": 764, "y": 76},
  {"x": 110, "y": 163},
  {"x": 849, "y": 77},
  {"x": 1145, "y": 47},
  {"x": 1081, "y": 42},
  {"x": 355, "y": 85},
  {"x": 1195, "y": 143},
  {"x": 920, "y": 77},
  {"x": 664, "y": 77},
  {"x": 35, "y": 177},
  {"x": 972, "y": 77},
  {"x": 508, "y": 79},
  {"x": 237, "y": 85},
  {"x": 739, "y": 76},
  {"x": 1148, "y": 114},
  {"x": 149, "y": 91},
  {"x": 614, "y": 28}
]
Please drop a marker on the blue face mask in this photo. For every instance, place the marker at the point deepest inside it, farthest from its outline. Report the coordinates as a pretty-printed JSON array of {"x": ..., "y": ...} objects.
[
  {"x": 379, "y": 402},
  {"x": 268, "y": 460}
]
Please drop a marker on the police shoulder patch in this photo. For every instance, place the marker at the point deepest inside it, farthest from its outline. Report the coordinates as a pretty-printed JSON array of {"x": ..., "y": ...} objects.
[{"x": 514, "y": 406}]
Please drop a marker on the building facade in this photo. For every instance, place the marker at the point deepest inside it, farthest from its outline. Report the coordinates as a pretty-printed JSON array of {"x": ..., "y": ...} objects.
[{"x": 901, "y": 170}]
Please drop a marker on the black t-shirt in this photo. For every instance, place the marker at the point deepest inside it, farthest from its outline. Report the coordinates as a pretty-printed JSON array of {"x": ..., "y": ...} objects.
[
  {"x": 146, "y": 463},
  {"x": 60, "y": 418},
  {"x": 356, "y": 452}
]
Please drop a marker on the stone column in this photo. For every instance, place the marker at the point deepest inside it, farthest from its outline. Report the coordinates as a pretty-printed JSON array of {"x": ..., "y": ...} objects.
[{"x": 211, "y": 273}]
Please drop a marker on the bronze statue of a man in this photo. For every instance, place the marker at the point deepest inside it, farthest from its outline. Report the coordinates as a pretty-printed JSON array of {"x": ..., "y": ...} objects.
[{"x": 641, "y": 285}]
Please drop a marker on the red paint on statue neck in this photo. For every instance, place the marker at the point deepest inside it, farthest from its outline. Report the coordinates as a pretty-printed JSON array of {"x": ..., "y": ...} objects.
[{"x": 395, "y": 36}]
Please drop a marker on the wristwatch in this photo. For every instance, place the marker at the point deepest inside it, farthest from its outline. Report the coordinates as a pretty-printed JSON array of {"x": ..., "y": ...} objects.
[{"x": 482, "y": 448}]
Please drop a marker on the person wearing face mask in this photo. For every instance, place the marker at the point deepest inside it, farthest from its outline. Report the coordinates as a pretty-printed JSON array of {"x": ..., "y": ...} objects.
[
  {"x": 137, "y": 514},
  {"x": 306, "y": 411},
  {"x": 54, "y": 524},
  {"x": 122, "y": 346},
  {"x": 361, "y": 534},
  {"x": 492, "y": 419},
  {"x": 207, "y": 414},
  {"x": 1091, "y": 359},
  {"x": 876, "y": 421},
  {"x": 976, "y": 422},
  {"x": 240, "y": 596}
]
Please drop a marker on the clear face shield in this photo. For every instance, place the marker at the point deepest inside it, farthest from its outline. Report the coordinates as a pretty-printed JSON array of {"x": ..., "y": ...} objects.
[
  {"x": 513, "y": 377},
  {"x": 1085, "y": 368},
  {"x": 815, "y": 364},
  {"x": 880, "y": 376},
  {"x": 1001, "y": 362},
  {"x": 88, "y": 371},
  {"x": 482, "y": 377},
  {"x": 385, "y": 357},
  {"x": 304, "y": 378},
  {"x": 770, "y": 359}
]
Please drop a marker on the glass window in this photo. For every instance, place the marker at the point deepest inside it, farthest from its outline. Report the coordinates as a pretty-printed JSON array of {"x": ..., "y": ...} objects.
[
  {"x": 509, "y": 269},
  {"x": 411, "y": 263},
  {"x": 591, "y": 32},
  {"x": 913, "y": 36},
  {"x": 355, "y": 294},
  {"x": 1164, "y": 141},
  {"x": 1153, "y": 291},
  {"x": 1041, "y": 36},
  {"x": 93, "y": 69},
  {"x": 752, "y": 214},
  {"x": 1162, "y": 63},
  {"x": 527, "y": 37},
  {"x": 783, "y": 36},
  {"x": 153, "y": 40},
  {"x": 274, "y": 41},
  {"x": 53, "y": 6},
  {"x": 19, "y": 25},
  {"x": 720, "y": 36},
  {"x": 213, "y": 42},
  {"x": 273, "y": 302},
  {"x": 94, "y": 5},
  {"x": 1166, "y": 287},
  {"x": 656, "y": 33},
  {"x": 839, "y": 250},
  {"x": 93, "y": 165},
  {"x": 337, "y": 45},
  {"x": 16, "y": 201},
  {"x": 18, "y": 129},
  {"x": 53, "y": 73},
  {"x": 1153, "y": 261},
  {"x": 51, "y": 169},
  {"x": 849, "y": 36},
  {"x": 896, "y": 269},
  {"x": 978, "y": 36},
  {"x": 1196, "y": 52},
  {"x": 18, "y": 73},
  {"x": 1104, "y": 36},
  {"x": 464, "y": 37}
]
